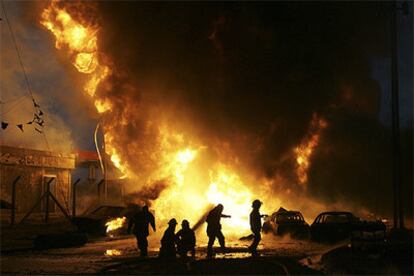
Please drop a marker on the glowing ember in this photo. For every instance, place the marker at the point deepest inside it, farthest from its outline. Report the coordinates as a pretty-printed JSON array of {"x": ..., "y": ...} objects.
[
  {"x": 304, "y": 151},
  {"x": 113, "y": 252},
  {"x": 115, "y": 224}
]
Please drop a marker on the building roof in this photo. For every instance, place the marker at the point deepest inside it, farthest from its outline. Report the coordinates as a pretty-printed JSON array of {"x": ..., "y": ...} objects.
[
  {"x": 35, "y": 158},
  {"x": 86, "y": 155},
  {"x": 84, "y": 158}
]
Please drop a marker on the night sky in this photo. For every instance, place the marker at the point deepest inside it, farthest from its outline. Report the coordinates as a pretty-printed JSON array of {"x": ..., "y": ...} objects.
[{"x": 243, "y": 72}]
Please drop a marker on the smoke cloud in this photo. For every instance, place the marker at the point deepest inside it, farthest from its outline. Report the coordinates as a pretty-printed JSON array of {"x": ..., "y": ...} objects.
[
  {"x": 69, "y": 116},
  {"x": 246, "y": 79}
]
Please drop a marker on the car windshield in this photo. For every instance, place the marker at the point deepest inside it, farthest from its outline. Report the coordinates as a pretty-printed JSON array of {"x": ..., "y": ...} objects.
[{"x": 281, "y": 218}]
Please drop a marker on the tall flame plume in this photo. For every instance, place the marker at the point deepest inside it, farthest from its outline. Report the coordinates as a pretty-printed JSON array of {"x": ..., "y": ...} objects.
[{"x": 192, "y": 182}]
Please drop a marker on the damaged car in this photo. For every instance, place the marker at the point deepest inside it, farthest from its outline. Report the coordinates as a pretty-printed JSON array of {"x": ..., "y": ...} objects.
[
  {"x": 285, "y": 222},
  {"x": 333, "y": 226}
]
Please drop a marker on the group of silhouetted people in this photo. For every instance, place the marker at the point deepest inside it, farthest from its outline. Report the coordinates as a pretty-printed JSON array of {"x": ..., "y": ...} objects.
[{"x": 184, "y": 240}]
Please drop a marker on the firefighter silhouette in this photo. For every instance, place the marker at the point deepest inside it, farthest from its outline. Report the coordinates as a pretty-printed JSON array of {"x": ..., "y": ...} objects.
[
  {"x": 255, "y": 226},
  {"x": 214, "y": 229},
  {"x": 169, "y": 240},
  {"x": 186, "y": 240},
  {"x": 139, "y": 224}
]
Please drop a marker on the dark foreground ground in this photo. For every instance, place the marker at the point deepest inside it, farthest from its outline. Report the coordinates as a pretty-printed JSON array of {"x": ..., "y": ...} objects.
[
  {"x": 97, "y": 258},
  {"x": 278, "y": 256},
  {"x": 220, "y": 266},
  {"x": 285, "y": 258}
]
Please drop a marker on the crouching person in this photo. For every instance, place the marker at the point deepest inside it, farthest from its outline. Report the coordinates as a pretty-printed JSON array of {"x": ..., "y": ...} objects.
[
  {"x": 186, "y": 240},
  {"x": 168, "y": 241}
]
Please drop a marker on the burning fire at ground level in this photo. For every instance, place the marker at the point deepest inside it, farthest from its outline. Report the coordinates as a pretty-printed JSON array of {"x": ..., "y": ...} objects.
[
  {"x": 294, "y": 126},
  {"x": 181, "y": 163}
]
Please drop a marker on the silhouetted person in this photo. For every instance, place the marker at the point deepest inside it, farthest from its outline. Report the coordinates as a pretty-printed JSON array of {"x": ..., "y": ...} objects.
[
  {"x": 255, "y": 226},
  {"x": 139, "y": 224},
  {"x": 214, "y": 229},
  {"x": 168, "y": 241},
  {"x": 186, "y": 240}
]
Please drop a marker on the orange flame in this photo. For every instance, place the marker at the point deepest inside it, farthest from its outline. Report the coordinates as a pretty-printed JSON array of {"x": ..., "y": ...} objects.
[
  {"x": 227, "y": 188},
  {"x": 304, "y": 151},
  {"x": 115, "y": 224},
  {"x": 81, "y": 41},
  {"x": 195, "y": 188},
  {"x": 196, "y": 183},
  {"x": 113, "y": 252}
]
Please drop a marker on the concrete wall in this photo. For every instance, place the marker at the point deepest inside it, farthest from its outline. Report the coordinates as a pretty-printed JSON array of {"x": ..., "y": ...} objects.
[{"x": 33, "y": 166}]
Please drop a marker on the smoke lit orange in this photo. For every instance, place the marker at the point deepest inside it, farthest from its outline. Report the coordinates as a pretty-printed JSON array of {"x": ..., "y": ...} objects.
[
  {"x": 305, "y": 150},
  {"x": 194, "y": 183}
]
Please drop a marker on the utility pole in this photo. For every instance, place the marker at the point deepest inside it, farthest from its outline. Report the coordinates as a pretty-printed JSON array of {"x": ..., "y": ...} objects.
[
  {"x": 74, "y": 185},
  {"x": 395, "y": 113},
  {"x": 103, "y": 163},
  {"x": 105, "y": 172},
  {"x": 13, "y": 211}
]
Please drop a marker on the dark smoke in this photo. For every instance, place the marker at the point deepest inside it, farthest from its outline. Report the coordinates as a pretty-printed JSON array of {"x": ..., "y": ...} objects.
[
  {"x": 252, "y": 75},
  {"x": 145, "y": 196}
]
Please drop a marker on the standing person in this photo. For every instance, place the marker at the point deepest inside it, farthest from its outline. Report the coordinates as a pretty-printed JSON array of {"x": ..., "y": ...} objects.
[
  {"x": 214, "y": 229},
  {"x": 168, "y": 241},
  {"x": 255, "y": 226},
  {"x": 186, "y": 240},
  {"x": 139, "y": 223}
]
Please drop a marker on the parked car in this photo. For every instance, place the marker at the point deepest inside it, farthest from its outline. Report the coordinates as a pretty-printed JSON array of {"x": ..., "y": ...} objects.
[
  {"x": 94, "y": 222},
  {"x": 333, "y": 226},
  {"x": 285, "y": 222}
]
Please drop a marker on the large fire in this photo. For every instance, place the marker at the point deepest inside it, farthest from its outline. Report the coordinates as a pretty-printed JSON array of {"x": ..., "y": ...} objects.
[
  {"x": 82, "y": 45},
  {"x": 195, "y": 183}
]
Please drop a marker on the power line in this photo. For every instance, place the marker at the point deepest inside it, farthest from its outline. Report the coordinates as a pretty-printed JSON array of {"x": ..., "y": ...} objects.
[
  {"x": 12, "y": 100},
  {"x": 17, "y": 50},
  {"x": 13, "y": 106},
  {"x": 38, "y": 119}
]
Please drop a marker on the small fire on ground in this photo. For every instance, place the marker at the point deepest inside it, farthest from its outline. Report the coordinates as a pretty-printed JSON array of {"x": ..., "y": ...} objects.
[
  {"x": 113, "y": 252},
  {"x": 115, "y": 224}
]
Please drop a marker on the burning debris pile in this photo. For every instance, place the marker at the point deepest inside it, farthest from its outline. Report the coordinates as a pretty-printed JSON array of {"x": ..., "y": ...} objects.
[{"x": 180, "y": 153}]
